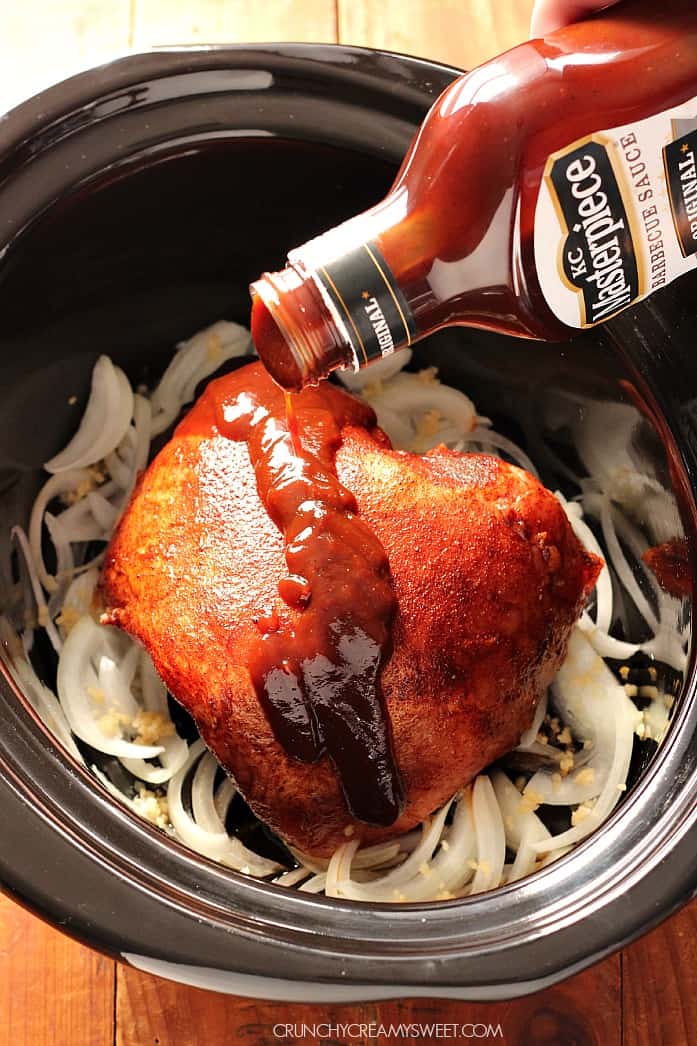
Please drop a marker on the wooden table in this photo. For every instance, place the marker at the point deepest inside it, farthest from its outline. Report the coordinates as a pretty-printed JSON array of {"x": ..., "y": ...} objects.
[{"x": 53, "y": 992}]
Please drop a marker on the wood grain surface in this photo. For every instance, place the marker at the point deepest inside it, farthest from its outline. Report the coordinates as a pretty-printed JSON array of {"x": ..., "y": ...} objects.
[{"x": 54, "y": 992}]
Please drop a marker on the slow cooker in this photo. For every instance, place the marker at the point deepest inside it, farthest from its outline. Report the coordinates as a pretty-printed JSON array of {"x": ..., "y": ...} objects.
[{"x": 137, "y": 201}]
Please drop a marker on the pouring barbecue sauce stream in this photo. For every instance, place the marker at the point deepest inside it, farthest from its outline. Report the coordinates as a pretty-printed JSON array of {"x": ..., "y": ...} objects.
[{"x": 318, "y": 681}]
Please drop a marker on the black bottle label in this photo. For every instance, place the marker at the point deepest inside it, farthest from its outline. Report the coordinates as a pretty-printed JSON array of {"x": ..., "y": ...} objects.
[
  {"x": 366, "y": 302},
  {"x": 616, "y": 216},
  {"x": 680, "y": 162}
]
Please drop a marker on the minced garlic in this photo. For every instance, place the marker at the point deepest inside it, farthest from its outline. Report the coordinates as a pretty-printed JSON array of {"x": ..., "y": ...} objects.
[
  {"x": 566, "y": 763},
  {"x": 110, "y": 724},
  {"x": 580, "y": 814},
  {"x": 151, "y": 806},
  {"x": 565, "y": 737},
  {"x": 68, "y": 618},
  {"x": 151, "y": 727},
  {"x": 372, "y": 390},
  {"x": 214, "y": 348},
  {"x": 530, "y": 801},
  {"x": 429, "y": 423},
  {"x": 428, "y": 376}
]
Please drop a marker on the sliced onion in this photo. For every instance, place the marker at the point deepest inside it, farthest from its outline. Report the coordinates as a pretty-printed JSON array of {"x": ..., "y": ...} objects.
[
  {"x": 668, "y": 647},
  {"x": 490, "y": 836},
  {"x": 529, "y": 737},
  {"x": 622, "y": 567},
  {"x": 175, "y": 749},
  {"x": 382, "y": 370},
  {"x": 61, "y": 484},
  {"x": 447, "y": 436},
  {"x": 131, "y": 457},
  {"x": 115, "y": 678},
  {"x": 379, "y": 855},
  {"x": 43, "y": 615},
  {"x": 102, "y": 510},
  {"x": 314, "y": 885},
  {"x": 65, "y": 563},
  {"x": 76, "y": 676},
  {"x": 443, "y": 875},
  {"x": 615, "y": 783},
  {"x": 224, "y": 796},
  {"x": 603, "y": 585},
  {"x": 132, "y": 804},
  {"x": 604, "y": 644},
  {"x": 202, "y": 797},
  {"x": 142, "y": 419},
  {"x": 119, "y": 467},
  {"x": 408, "y": 394},
  {"x": 104, "y": 423},
  {"x": 78, "y": 521},
  {"x": 78, "y": 598},
  {"x": 391, "y": 886},
  {"x": 293, "y": 877},
  {"x": 518, "y": 820},
  {"x": 45, "y": 704},
  {"x": 491, "y": 438},
  {"x": 196, "y": 359},
  {"x": 400, "y": 434},
  {"x": 216, "y": 845},
  {"x": 596, "y": 708},
  {"x": 522, "y": 827}
]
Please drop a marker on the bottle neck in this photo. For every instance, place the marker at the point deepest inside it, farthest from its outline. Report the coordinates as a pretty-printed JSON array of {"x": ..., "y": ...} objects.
[
  {"x": 296, "y": 335},
  {"x": 336, "y": 304}
]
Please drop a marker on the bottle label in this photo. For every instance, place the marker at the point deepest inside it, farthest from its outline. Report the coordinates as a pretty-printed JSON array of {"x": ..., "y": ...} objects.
[
  {"x": 616, "y": 216},
  {"x": 365, "y": 301}
]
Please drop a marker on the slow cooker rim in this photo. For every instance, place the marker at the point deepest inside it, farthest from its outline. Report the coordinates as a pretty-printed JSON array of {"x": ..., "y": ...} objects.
[{"x": 392, "y": 919}]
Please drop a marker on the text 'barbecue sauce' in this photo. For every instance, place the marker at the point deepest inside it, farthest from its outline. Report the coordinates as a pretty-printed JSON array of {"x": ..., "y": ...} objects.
[
  {"x": 318, "y": 681},
  {"x": 545, "y": 192}
]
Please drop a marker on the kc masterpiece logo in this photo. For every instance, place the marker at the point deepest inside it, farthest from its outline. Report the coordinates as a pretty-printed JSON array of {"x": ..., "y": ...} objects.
[
  {"x": 680, "y": 162},
  {"x": 598, "y": 254}
]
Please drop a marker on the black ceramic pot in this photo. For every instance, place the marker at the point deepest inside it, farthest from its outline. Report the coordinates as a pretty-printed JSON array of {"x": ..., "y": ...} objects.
[{"x": 136, "y": 203}]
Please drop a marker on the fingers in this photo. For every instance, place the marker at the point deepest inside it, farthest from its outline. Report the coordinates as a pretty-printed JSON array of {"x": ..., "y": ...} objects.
[{"x": 549, "y": 15}]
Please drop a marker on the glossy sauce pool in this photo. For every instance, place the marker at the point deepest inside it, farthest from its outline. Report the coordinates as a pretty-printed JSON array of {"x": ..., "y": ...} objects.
[{"x": 318, "y": 680}]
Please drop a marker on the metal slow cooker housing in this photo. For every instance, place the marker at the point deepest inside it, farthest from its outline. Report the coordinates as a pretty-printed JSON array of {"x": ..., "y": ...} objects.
[{"x": 136, "y": 202}]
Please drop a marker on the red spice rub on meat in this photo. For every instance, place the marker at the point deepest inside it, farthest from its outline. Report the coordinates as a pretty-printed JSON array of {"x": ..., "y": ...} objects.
[{"x": 488, "y": 577}]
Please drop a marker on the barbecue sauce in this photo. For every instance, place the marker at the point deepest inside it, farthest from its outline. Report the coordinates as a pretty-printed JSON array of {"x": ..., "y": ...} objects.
[
  {"x": 545, "y": 192},
  {"x": 670, "y": 565},
  {"x": 319, "y": 679}
]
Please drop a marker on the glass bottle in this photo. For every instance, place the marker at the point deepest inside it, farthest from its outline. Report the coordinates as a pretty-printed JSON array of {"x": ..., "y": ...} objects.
[{"x": 545, "y": 191}]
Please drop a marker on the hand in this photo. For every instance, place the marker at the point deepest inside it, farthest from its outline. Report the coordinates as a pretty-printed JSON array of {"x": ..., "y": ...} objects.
[{"x": 548, "y": 15}]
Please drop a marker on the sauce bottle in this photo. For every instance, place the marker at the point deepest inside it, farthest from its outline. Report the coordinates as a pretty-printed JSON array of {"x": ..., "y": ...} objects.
[{"x": 546, "y": 191}]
